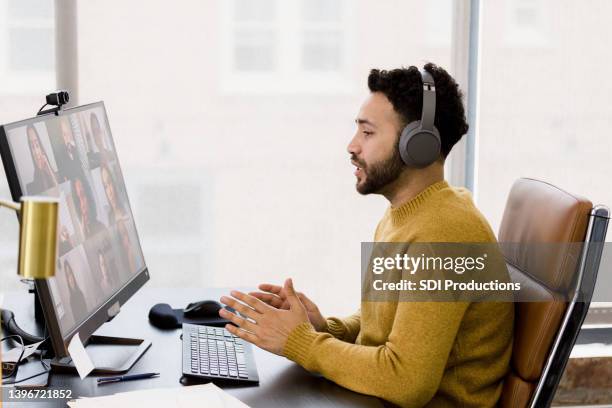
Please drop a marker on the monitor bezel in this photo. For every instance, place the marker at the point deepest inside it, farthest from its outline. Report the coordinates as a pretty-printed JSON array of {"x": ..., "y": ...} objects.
[{"x": 108, "y": 309}]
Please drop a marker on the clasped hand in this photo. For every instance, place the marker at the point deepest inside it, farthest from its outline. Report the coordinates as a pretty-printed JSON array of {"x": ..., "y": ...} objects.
[{"x": 268, "y": 317}]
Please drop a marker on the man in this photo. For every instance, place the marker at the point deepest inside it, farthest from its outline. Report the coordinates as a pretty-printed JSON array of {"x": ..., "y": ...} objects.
[{"x": 412, "y": 354}]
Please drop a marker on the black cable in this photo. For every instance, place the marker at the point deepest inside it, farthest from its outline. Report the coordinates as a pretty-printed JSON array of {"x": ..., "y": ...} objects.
[
  {"x": 27, "y": 378},
  {"x": 46, "y": 367},
  {"x": 14, "y": 336},
  {"x": 43, "y": 107}
]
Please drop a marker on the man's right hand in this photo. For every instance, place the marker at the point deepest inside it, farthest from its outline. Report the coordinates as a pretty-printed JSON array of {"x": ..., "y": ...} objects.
[{"x": 275, "y": 296}]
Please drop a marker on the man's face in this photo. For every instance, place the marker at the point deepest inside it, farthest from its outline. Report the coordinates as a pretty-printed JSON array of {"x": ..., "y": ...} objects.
[{"x": 374, "y": 147}]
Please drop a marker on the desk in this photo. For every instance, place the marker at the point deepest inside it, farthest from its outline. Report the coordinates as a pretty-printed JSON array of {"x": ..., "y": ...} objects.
[{"x": 282, "y": 382}]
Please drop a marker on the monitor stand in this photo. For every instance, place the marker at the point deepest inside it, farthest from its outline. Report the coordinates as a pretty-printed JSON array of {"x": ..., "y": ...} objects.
[{"x": 110, "y": 355}]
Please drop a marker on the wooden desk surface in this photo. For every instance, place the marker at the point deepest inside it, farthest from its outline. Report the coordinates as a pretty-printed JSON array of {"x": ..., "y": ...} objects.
[{"x": 282, "y": 382}]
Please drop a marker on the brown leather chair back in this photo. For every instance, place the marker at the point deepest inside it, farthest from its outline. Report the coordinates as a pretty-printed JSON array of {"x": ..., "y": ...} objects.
[{"x": 538, "y": 212}]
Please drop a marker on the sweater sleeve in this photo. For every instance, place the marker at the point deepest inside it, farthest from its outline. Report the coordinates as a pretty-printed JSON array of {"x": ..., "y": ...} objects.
[
  {"x": 406, "y": 370},
  {"x": 345, "y": 329}
]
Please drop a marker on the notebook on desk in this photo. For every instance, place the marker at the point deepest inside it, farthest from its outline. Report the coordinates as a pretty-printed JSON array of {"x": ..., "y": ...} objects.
[{"x": 197, "y": 396}]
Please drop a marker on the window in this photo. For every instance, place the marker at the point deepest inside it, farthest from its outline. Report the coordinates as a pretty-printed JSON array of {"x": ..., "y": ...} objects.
[
  {"x": 27, "y": 72},
  {"x": 255, "y": 36},
  {"x": 526, "y": 23},
  {"x": 26, "y": 46},
  {"x": 322, "y": 43},
  {"x": 174, "y": 224},
  {"x": 438, "y": 22},
  {"x": 286, "y": 46},
  {"x": 233, "y": 145},
  {"x": 545, "y": 114}
]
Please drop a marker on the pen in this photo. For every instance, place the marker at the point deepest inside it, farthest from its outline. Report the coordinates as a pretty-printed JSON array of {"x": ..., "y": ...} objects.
[{"x": 130, "y": 377}]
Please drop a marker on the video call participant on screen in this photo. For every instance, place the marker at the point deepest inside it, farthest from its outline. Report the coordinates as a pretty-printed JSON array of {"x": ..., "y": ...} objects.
[
  {"x": 127, "y": 248},
  {"x": 107, "y": 282},
  {"x": 44, "y": 177},
  {"x": 78, "y": 306},
  {"x": 102, "y": 155},
  {"x": 411, "y": 353},
  {"x": 116, "y": 210},
  {"x": 70, "y": 166},
  {"x": 65, "y": 242},
  {"x": 85, "y": 208}
]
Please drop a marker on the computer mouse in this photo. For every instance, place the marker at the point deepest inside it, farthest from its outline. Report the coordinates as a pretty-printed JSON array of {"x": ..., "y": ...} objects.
[{"x": 204, "y": 308}]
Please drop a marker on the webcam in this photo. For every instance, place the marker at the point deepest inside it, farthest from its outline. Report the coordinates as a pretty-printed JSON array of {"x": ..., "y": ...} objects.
[{"x": 58, "y": 98}]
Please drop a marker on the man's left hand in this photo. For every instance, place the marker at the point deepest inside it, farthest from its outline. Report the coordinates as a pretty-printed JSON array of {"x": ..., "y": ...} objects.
[{"x": 265, "y": 326}]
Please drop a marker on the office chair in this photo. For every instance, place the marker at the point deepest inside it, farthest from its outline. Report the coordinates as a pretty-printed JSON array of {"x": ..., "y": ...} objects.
[{"x": 545, "y": 330}]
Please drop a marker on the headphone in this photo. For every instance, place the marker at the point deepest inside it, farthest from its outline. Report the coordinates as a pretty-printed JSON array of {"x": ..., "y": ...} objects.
[{"x": 419, "y": 143}]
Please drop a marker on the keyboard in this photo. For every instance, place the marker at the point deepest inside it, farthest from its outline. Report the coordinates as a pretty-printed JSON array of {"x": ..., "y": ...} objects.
[{"x": 214, "y": 353}]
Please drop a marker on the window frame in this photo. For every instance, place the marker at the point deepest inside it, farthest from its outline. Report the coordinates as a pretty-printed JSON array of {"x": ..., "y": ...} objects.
[{"x": 461, "y": 165}]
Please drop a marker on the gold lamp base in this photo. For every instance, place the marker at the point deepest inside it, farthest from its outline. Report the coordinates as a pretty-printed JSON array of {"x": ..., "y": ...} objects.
[{"x": 38, "y": 218}]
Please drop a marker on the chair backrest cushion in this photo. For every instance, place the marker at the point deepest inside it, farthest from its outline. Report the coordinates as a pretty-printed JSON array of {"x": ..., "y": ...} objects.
[{"x": 538, "y": 212}]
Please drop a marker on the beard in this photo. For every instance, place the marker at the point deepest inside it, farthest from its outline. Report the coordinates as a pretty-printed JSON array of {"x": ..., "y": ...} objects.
[{"x": 379, "y": 175}]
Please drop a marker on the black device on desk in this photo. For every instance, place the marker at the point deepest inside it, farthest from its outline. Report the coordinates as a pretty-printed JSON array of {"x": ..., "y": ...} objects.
[
  {"x": 204, "y": 312},
  {"x": 70, "y": 154},
  {"x": 204, "y": 308},
  {"x": 213, "y": 353}
]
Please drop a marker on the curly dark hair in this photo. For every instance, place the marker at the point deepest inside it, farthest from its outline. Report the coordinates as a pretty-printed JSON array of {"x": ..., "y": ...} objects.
[{"x": 404, "y": 89}]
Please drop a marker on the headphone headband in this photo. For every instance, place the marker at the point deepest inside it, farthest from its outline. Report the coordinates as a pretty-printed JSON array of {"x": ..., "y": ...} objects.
[{"x": 428, "y": 113}]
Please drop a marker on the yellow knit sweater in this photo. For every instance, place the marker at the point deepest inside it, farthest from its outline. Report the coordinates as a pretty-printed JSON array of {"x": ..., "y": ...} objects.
[{"x": 414, "y": 354}]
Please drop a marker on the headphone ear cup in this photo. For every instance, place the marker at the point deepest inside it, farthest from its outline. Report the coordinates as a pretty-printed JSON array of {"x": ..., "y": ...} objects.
[
  {"x": 419, "y": 148},
  {"x": 404, "y": 141}
]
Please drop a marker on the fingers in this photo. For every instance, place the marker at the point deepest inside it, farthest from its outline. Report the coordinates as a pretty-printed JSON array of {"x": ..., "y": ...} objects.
[
  {"x": 303, "y": 298},
  {"x": 245, "y": 335},
  {"x": 268, "y": 287},
  {"x": 240, "y": 307},
  {"x": 237, "y": 320},
  {"x": 268, "y": 298},
  {"x": 253, "y": 302},
  {"x": 292, "y": 297}
]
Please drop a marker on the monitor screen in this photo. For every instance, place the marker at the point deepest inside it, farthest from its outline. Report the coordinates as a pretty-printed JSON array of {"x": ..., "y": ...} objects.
[{"x": 72, "y": 156}]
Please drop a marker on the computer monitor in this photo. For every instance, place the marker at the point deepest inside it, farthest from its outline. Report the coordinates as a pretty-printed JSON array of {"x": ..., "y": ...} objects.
[{"x": 100, "y": 263}]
